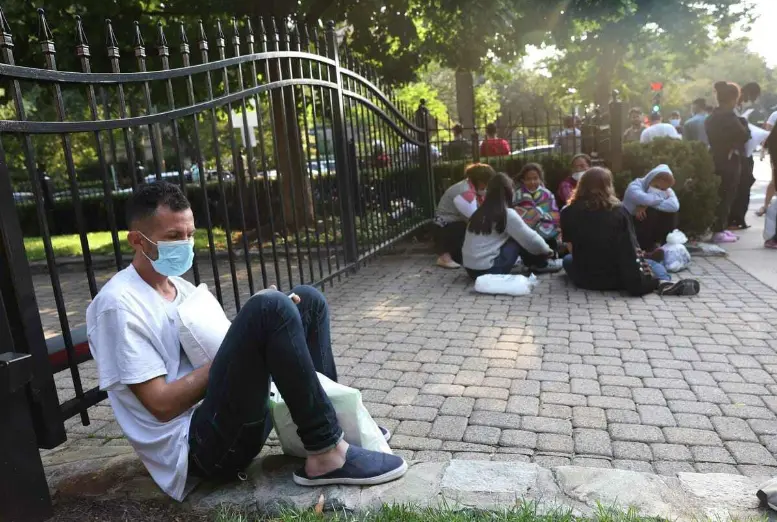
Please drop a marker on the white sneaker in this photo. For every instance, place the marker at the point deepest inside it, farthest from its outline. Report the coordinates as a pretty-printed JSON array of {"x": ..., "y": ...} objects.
[
  {"x": 553, "y": 266},
  {"x": 447, "y": 263}
]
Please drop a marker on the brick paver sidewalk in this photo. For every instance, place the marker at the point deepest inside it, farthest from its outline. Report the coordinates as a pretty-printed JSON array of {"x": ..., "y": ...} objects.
[{"x": 563, "y": 376}]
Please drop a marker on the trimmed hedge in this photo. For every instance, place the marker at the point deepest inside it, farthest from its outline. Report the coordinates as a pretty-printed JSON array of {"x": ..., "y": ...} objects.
[{"x": 691, "y": 163}]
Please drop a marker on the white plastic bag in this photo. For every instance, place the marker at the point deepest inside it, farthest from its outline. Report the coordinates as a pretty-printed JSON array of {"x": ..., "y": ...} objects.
[
  {"x": 757, "y": 137},
  {"x": 203, "y": 326},
  {"x": 511, "y": 284},
  {"x": 770, "y": 226},
  {"x": 358, "y": 427},
  {"x": 676, "y": 256}
]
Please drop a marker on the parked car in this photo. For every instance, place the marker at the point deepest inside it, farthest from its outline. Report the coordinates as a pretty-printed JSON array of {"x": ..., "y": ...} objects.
[{"x": 539, "y": 150}]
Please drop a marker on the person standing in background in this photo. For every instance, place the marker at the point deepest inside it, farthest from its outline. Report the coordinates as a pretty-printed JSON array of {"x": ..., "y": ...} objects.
[
  {"x": 769, "y": 125},
  {"x": 493, "y": 146},
  {"x": 570, "y": 139},
  {"x": 694, "y": 130},
  {"x": 728, "y": 134},
  {"x": 676, "y": 121},
  {"x": 634, "y": 132},
  {"x": 737, "y": 216},
  {"x": 459, "y": 148},
  {"x": 658, "y": 129}
]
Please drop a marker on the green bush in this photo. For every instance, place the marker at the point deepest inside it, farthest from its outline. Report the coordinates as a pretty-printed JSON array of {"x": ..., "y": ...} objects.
[
  {"x": 556, "y": 167},
  {"x": 696, "y": 182}
]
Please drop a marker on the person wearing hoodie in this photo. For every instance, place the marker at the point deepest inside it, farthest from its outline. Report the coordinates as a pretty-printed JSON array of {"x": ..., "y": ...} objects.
[
  {"x": 537, "y": 207},
  {"x": 727, "y": 134},
  {"x": 566, "y": 188},
  {"x": 497, "y": 236},
  {"x": 603, "y": 245},
  {"x": 456, "y": 206},
  {"x": 654, "y": 206}
]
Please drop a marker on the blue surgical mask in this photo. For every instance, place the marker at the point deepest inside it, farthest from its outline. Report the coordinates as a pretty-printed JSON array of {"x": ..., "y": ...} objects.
[{"x": 174, "y": 258}]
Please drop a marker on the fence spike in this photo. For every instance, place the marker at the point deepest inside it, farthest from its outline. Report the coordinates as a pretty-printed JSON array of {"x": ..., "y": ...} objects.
[
  {"x": 110, "y": 40},
  {"x": 249, "y": 32},
  {"x": 235, "y": 33},
  {"x": 44, "y": 34},
  {"x": 317, "y": 42},
  {"x": 184, "y": 40},
  {"x": 219, "y": 34},
  {"x": 161, "y": 44},
  {"x": 273, "y": 34},
  {"x": 294, "y": 40},
  {"x": 203, "y": 41},
  {"x": 82, "y": 44},
  {"x": 262, "y": 30},
  {"x": 140, "y": 44},
  {"x": 5, "y": 29},
  {"x": 283, "y": 31},
  {"x": 304, "y": 37}
]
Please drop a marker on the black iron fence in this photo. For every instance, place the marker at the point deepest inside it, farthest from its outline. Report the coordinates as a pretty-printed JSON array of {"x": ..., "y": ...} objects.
[{"x": 273, "y": 132}]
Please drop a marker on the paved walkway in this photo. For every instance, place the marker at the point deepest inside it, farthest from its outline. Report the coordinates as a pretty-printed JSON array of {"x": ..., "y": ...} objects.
[{"x": 564, "y": 376}]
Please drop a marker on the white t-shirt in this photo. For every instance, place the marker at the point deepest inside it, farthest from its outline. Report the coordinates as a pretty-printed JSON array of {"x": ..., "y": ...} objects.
[
  {"x": 133, "y": 337},
  {"x": 772, "y": 119},
  {"x": 659, "y": 130}
]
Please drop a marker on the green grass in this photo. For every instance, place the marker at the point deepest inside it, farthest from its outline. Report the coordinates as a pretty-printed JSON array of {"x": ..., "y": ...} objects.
[
  {"x": 370, "y": 230},
  {"x": 101, "y": 243},
  {"x": 526, "y": 512}
]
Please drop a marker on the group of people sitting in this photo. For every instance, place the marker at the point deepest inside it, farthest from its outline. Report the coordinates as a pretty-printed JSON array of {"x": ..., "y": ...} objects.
[{"x": 490, "y": 224}]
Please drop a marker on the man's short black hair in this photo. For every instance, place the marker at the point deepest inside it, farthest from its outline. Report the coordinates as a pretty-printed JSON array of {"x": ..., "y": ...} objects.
[
  {"x": 458, "y": 129},
  {"x": 656, "y": 116},
  {"x": 147, "y": 198},
  {"x": 491, "y": 129},
  {"x": 635, "y": 110},
  {"x": 700, "y": 103}
]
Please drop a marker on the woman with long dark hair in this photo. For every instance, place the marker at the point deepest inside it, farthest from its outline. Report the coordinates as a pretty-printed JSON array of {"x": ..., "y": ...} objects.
[
  {"x": 605, "y": 254},
  {"x": 497, "y": 236},
  {"x": 728, "y": 134}
]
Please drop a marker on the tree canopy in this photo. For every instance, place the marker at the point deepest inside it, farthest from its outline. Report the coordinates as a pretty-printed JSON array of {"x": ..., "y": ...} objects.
[{"x": 602, "y": 41}]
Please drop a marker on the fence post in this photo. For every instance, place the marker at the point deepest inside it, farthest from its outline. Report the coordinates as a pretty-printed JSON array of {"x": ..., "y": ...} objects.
[
  {"x": 422, "y": 121},
  {"x": 16, "y": 285},
  {"x": 345, "y": 178},
  {"x": 24, "y": 493},
  {"x": 616, "y": 132}
]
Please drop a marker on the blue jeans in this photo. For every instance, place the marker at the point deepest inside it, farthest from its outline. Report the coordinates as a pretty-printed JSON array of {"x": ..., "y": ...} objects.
[
  {"x": 657, "y": 268},
  {"x": 504, "y": 262},
  {"x": 271, "y": 338}
]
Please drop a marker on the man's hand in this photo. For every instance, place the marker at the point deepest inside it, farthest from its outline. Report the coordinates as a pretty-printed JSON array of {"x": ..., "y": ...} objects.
[
  {"x": 641, "y": 213},
  {"x": 294, "y": 297}
]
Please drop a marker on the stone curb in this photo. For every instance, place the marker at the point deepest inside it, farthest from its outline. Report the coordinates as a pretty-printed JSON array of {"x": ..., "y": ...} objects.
[{"x": 115, "y": 472}]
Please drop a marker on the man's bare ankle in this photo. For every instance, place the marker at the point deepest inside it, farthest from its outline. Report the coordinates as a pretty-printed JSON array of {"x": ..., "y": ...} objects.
[{"x": 323, "y": 463}]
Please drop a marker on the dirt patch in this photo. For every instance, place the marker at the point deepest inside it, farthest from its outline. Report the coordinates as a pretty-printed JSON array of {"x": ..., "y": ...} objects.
[{"x": 123, "y": 511}]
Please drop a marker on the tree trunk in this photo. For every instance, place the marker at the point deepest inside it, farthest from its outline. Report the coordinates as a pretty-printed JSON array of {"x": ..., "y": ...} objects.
[
  {"x": 465, "y": 100},
  {"x": 608, "y": 63},
  {"x": 292, "y": 175}
]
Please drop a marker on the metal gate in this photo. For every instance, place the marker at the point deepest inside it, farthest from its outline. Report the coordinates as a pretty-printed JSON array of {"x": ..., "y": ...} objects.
[{"x": 298, "y": 163}]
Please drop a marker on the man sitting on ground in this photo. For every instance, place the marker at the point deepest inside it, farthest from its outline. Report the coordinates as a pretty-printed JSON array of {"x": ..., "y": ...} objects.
[
  {"x": 211, "y": 422},
  {"x": 658, "y": 129}
]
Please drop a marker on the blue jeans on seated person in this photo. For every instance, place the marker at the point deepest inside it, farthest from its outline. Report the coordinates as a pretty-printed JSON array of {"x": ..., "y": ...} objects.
[
  {"x": 271, "y": 338},
  {"x": 504, "y": 262},
  {"x": 657, "y": 268}
]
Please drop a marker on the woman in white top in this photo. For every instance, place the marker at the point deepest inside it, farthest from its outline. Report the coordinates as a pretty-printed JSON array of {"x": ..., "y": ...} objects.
[{"x": 497, "y": 236}]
